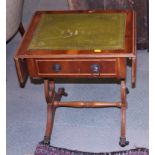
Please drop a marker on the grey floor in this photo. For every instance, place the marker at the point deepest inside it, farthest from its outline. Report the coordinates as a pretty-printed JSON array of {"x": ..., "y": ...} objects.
[{"x": 95, "y": 130}]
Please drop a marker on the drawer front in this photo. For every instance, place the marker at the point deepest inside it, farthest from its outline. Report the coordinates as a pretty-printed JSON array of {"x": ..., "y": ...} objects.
[{"x": 109, "y": 67}]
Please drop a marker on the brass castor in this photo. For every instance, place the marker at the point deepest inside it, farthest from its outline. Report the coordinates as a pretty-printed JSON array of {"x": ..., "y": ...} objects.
[
  {"x": 123, "y": 142},
  {"x": 46, "y": 141},
  {"x": 127, "y": 91},
  {"x": 62, "y": 92}
]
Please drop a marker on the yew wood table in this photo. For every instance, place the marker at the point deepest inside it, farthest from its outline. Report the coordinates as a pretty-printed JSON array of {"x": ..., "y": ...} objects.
[{"x": 78, "y": 44}]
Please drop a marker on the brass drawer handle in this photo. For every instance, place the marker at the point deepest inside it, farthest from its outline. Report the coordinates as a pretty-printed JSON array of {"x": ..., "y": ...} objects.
[
  {"x": 56, "y": 67},
  {"x": 95, "y": 68}
]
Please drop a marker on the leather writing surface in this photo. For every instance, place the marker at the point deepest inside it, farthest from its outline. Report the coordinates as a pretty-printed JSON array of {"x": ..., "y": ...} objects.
[{"x": 80, "y": 31}]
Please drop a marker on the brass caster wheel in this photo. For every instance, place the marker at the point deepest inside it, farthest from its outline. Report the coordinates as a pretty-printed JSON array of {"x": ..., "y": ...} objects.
[
  {"x": 46, "y": 141},
  {"x": 123, "y": 142},
  {"x": 62, "y": 92},
  {"x": 127, "y": 91}
]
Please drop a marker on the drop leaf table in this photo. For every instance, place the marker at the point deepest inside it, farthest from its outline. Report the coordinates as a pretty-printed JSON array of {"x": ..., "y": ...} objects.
[{"x": 78, "y": 44}]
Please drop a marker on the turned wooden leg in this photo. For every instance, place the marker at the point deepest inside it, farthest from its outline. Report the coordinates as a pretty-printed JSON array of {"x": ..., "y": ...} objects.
[
  {"x": 49, "y": 89},
  {"x": 49, "y": 124},
  {"x": 51, "y": 96},
  {"x": 123, "y": 141},
  {"x": 134, "y": 61},
  {"x": 21, "y": 29}
]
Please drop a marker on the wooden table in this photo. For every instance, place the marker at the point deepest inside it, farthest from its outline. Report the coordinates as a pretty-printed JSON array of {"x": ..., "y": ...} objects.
[{"x": 78, "y": 44}]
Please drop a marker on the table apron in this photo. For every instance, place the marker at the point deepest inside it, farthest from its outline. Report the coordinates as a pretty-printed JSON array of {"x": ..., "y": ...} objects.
[{"x": 77, "y": 68}]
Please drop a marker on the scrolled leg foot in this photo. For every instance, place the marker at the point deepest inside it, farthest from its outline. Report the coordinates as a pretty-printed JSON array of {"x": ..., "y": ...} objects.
[
  {"x": 46, "y": 141},
  {"x": 123, "y": 142},
  {"x": 61, "y": 91}
]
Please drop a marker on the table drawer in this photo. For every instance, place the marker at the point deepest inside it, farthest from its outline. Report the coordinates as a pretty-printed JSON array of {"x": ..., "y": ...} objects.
[{"x": 108, "y": 67}]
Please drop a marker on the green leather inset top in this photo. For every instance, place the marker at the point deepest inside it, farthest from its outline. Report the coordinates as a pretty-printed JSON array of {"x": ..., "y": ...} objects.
[{"x": 80, "y": 32}]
